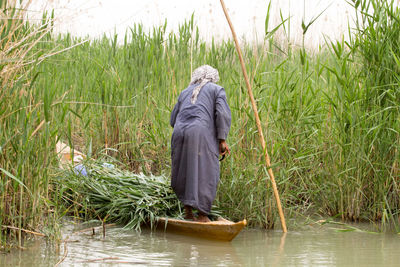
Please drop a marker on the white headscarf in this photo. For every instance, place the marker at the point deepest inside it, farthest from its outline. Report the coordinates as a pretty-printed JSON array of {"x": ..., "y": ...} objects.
[{"x": 202, "y": 75}]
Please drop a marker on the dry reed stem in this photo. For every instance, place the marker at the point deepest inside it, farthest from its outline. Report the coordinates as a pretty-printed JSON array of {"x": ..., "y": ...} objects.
[
  {"x": 38, "y": 128},
  {"x": 101, "y": 259},
  {"x": 97, "y": 227},
  {"x": 39, "y": 60},
  {"x": 23, "y": 230},
  {"x": 65, "y": 252}
]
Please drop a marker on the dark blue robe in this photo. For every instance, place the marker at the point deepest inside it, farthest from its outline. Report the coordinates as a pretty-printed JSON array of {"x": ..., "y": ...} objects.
[{"x": 195, "y": 145}]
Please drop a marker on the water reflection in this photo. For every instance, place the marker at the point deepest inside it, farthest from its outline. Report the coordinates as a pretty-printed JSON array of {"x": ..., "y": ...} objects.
[
  {"x": 197, "y": 252},
  {"x": 315, "y": 246}
]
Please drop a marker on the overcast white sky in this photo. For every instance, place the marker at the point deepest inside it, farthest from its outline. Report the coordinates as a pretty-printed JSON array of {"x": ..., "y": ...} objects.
[{"x": 95, "y": 17}]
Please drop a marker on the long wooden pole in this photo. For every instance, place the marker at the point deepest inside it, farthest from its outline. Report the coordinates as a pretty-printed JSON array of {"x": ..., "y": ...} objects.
[{"x": 260, "y": 132}]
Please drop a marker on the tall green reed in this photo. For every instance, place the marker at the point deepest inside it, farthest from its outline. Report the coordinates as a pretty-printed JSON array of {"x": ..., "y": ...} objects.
[
  {"x": 366, "y": 113},
  {"x": 332, "y": 132},
  {"x": 308, "y": 104},
  {"x": 26, "y": 137}
]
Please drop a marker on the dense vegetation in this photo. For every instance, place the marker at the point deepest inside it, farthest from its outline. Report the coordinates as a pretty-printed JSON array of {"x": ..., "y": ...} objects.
[
  {"x": 99, "y": 190},
  {"x": 331, "y": 117}
]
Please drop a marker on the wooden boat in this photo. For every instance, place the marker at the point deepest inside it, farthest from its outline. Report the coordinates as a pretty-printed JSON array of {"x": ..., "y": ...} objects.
[
  {"x": 221, "y": 229},
  {"x": 67, "y": 155}
]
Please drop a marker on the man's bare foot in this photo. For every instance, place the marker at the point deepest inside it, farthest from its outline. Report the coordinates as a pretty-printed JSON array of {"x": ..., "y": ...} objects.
[
  {"x": 189, "y": 213},
  {"x": 203, "y": 218}
]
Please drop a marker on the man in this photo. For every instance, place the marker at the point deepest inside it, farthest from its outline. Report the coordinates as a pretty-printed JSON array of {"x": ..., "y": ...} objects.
[{"x": 201, "y": 119}]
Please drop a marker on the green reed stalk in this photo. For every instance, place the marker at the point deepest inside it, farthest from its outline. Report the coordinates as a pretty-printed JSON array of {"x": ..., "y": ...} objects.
[
  {"x": 332, "y": 116},
  {"x": 26, "y": 138}
]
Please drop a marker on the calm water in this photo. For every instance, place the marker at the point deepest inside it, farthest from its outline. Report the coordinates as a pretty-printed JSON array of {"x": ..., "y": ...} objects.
[{"x": 314, "y": 246}]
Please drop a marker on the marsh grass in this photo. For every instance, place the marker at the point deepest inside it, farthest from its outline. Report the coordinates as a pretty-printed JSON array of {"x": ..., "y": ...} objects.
[
  {"x": 323, "y": 130},
  {"x": 331, "y": 118},
  {"x": 26, "y": 137},
  {"x": 365, "y": 104}
]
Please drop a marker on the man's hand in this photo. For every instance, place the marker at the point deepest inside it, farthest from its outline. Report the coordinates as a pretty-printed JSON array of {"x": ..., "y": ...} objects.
[{"x": 223, "y": 148}]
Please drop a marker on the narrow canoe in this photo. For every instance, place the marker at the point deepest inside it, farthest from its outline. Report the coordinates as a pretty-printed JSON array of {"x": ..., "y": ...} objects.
[{"x": 222, "y": 229}]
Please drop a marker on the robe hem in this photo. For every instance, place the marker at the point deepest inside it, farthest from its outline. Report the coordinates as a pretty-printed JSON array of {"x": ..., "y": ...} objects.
[{"x": 194, "y": 205}]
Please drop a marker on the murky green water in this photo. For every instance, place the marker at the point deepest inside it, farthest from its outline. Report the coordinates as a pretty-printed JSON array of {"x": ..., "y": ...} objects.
[{"x": 314, "y": 246}]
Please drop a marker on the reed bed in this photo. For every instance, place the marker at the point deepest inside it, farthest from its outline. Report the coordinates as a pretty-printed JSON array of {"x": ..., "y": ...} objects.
[
  {"x": 26, "y": 137},
  {"x": 331, "y": 118}
]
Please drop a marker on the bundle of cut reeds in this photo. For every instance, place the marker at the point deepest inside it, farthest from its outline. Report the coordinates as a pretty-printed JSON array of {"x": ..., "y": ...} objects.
[{"x": 108, "y": 193}]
